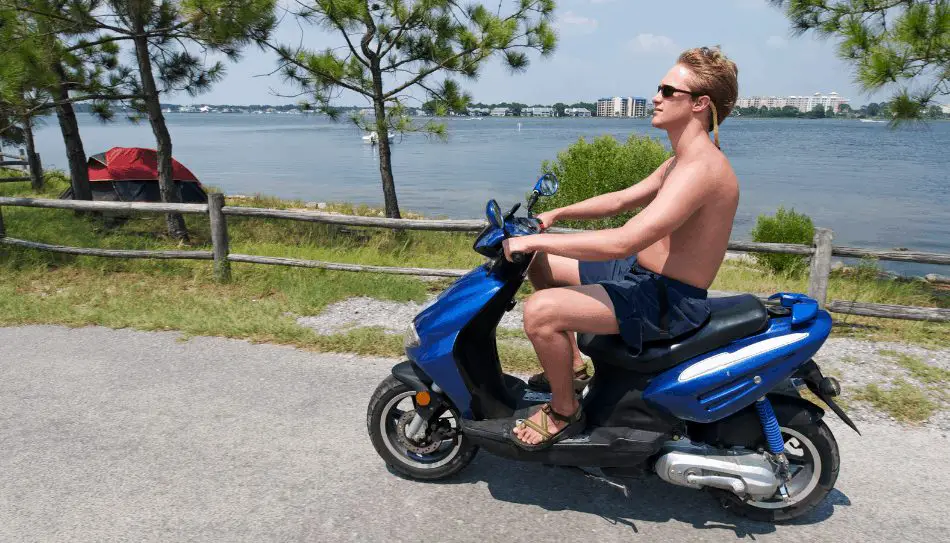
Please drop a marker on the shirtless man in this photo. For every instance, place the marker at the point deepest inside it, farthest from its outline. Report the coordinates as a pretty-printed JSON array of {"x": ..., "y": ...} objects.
[{"x": 646, "y": 280}]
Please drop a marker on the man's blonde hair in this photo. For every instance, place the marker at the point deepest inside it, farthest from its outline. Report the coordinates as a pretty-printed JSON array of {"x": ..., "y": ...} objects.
[{"x": 715, "y": 76}]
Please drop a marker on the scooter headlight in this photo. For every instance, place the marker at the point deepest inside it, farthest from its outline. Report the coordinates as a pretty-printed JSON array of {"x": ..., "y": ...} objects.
[{"x": 411, "y": 339}]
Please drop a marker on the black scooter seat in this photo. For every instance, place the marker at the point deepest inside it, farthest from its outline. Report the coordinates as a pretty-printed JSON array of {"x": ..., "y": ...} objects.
[{"x": 731, "y": 318}]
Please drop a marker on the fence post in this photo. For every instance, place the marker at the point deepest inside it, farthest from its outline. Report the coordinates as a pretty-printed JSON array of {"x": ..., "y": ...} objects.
[
  {"x": 219, "y": 237},
  {"x": 3, "y": 231},
  {"x": 820, "y": 266}
]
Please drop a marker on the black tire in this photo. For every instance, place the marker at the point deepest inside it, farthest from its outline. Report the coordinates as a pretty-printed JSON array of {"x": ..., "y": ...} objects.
[
  {"x": 451, "y": 457},
  {"x": 826, "y": 447}
]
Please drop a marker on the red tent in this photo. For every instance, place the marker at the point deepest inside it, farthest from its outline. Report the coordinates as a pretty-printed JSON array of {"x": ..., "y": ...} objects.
[{"x": 130, "y": 174}]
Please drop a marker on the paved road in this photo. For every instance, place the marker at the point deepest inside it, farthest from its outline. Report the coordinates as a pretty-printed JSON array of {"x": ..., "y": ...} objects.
[{"x": 112, "y": 435}]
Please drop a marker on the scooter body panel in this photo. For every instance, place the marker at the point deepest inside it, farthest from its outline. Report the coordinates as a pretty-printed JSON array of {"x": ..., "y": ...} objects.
[
  {"x": 717, "y": 384},
  {"x": 438, "y": 327}
]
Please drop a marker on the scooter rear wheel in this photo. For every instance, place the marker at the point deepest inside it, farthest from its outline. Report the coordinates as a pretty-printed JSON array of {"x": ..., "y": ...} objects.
[
  {"x": 389, "y": 408},
  {"x": 813, "y": 454}
]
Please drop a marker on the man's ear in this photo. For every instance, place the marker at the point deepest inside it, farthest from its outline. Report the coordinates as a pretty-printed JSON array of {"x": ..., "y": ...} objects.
[{"x": 701, "y": 103}]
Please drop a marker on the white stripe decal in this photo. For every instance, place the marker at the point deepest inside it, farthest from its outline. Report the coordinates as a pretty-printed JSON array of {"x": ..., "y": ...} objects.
[{"x": 724, "y": 360}]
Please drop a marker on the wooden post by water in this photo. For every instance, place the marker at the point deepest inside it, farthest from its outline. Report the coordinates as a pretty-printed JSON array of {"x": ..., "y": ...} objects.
[
  {"x": 820, "y": 266},
  {"x": 219, "y": 237}
]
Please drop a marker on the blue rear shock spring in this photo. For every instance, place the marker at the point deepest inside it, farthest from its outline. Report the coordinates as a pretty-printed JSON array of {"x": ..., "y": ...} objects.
[{"x": 770, "y": 426}]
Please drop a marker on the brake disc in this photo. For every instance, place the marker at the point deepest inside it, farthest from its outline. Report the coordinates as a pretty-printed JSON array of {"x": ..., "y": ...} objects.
[{"x": 424, "y": 447}]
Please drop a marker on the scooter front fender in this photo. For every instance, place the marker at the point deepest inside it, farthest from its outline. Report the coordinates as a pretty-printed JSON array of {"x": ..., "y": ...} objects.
[{"x": 412, "y": 376}]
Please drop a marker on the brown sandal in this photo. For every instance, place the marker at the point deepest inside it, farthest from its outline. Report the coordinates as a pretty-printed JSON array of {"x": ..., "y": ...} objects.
[
  {"x": 575, "y": 425},
  {"x": 540, "y": 383}
]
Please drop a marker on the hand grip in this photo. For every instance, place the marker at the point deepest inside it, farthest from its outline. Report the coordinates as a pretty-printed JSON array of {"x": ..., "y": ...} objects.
[{"x": 520, "y": 258}]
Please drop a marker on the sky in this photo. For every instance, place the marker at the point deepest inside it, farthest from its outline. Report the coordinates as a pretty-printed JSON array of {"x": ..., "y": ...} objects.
[{"x": 605, "y": 48}]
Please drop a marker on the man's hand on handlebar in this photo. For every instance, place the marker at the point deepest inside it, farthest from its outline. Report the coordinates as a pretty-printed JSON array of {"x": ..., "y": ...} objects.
[
  {"x": 547, "y": 219},
  {"x": 515, "y": 248}
]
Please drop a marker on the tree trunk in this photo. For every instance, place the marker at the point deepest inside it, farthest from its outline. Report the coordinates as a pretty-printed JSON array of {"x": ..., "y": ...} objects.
[
  {"x": 385, "y": 156},
  {"x": 75, "y": 153},
  {"x": 163, "y": 140},
  {"x": 36, "y": 172}
]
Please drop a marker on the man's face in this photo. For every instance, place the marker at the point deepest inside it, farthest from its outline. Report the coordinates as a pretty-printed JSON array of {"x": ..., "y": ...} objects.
[{"x": 678, "y": 108}]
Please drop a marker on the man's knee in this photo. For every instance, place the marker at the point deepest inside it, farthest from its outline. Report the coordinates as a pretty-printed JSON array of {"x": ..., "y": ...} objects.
[{"x": 540, "y": 314}]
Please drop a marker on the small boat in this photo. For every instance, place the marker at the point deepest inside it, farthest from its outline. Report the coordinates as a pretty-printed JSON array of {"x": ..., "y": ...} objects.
[
  {"x": 871, "y": 121},
  {"x": 373, "y": 138}
]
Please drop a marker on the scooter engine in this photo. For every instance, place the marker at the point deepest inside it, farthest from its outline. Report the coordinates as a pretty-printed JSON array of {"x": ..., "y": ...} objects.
[{"x": 739, "y": 471}]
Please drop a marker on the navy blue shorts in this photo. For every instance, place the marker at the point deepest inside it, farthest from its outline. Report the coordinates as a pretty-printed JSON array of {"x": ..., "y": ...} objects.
[{"x": 638, "y": 297}]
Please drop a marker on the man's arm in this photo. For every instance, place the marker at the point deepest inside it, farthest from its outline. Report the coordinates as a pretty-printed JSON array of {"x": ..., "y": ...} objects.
[
  {"x": 614, "y": 203},
  {"x": 683, "y": 194}
]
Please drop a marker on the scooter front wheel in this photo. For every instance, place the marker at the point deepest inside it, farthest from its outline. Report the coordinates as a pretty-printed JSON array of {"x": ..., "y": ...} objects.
[{"x": 444, "y": 450}]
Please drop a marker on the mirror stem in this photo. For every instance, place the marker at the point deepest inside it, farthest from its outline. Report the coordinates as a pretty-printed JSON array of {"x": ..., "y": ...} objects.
[{"x": 531, "y": 201}]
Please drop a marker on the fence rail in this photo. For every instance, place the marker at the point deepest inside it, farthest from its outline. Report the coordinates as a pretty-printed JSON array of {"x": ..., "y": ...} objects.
[
  {"x": 820, "y": 252},
  {"x": 31, "y": 165}
]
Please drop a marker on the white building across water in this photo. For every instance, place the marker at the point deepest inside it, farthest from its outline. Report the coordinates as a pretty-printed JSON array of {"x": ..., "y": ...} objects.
[
  {"x": 622, "y": 107},
  {"x": 576, "y": 112},
  {"x": 802, "y": 103},
  {"x": 537, "y": 112}
]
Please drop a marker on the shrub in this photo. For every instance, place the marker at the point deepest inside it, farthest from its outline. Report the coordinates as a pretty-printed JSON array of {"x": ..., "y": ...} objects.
[
  {"x": 605, "y": 165},
  {"x": 785, "y": 227}
]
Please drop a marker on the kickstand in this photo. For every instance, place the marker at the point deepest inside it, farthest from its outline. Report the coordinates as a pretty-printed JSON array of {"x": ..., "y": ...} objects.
[{"x": 600, "y": 478}]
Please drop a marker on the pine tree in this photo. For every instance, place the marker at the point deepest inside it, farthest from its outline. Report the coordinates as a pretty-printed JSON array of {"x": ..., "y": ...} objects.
[
  {"x": 392, "y": 48},
  {"x": 24, "y": 80},
  {"x": 901, "y": 44},
  {"x": 164, "y": 36}
]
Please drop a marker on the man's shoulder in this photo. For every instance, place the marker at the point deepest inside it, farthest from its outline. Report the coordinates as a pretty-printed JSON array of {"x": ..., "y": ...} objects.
[{"x": 712, "y": 166}]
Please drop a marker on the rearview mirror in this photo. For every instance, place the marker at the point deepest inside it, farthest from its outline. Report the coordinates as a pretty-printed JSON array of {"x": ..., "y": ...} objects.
[
  {"x": 493, "y": 212},
  {"x": 546, "y": 185}
]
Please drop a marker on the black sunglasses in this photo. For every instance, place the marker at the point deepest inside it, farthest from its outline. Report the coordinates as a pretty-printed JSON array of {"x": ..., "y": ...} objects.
[{"x": 668, "y": 91}]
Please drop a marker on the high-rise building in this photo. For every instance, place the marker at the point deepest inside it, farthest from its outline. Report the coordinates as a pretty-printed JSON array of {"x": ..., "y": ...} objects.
[
  {"x": 622, "y": 107},
  {"x": 609, "y": 107},
  {"x": 802, "y": 103},
  {"x": 639, "y": 107}
]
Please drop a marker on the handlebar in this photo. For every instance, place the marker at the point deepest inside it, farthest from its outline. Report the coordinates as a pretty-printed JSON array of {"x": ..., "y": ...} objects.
[
  {"x": 511, "y": 212},
  {"x": 520, "y": 258}
]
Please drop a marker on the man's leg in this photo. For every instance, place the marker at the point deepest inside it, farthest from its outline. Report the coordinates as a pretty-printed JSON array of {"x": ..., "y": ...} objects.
[
  {"x": 550, "y": 319},
  {"x": 553, "y": 271}
]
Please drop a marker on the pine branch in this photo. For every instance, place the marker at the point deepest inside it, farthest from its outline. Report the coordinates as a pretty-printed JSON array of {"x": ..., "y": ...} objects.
[
  {"x": 87, "y": 45},
  {"x": 58, "y": 17},
  {"x": 329, "y": 77}
]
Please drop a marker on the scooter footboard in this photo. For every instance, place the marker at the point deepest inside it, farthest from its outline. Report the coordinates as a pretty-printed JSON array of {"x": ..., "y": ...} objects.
[
  {"x": 597, "y": 447},
  {"x": 722, "y": 382}
]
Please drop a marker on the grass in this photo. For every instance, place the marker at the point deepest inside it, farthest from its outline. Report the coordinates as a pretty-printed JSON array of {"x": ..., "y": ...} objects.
[
  {"x": 261, "y": 302},
  {"x": 903, "y": 401},
  {"x": 920, "y": 370}
]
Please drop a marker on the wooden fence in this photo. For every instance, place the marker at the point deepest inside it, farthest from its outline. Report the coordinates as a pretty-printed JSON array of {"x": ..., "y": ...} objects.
[
  {"x": 820, "y": 251},
  {"x": 32, "y": 166}
]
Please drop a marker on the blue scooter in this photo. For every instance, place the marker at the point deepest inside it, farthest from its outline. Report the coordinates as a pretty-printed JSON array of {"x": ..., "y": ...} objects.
[{"x": 718, "y": 409}]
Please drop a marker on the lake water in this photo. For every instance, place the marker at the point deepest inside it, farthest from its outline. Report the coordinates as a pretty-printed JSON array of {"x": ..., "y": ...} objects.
[{"x": 875, "y": 187}]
